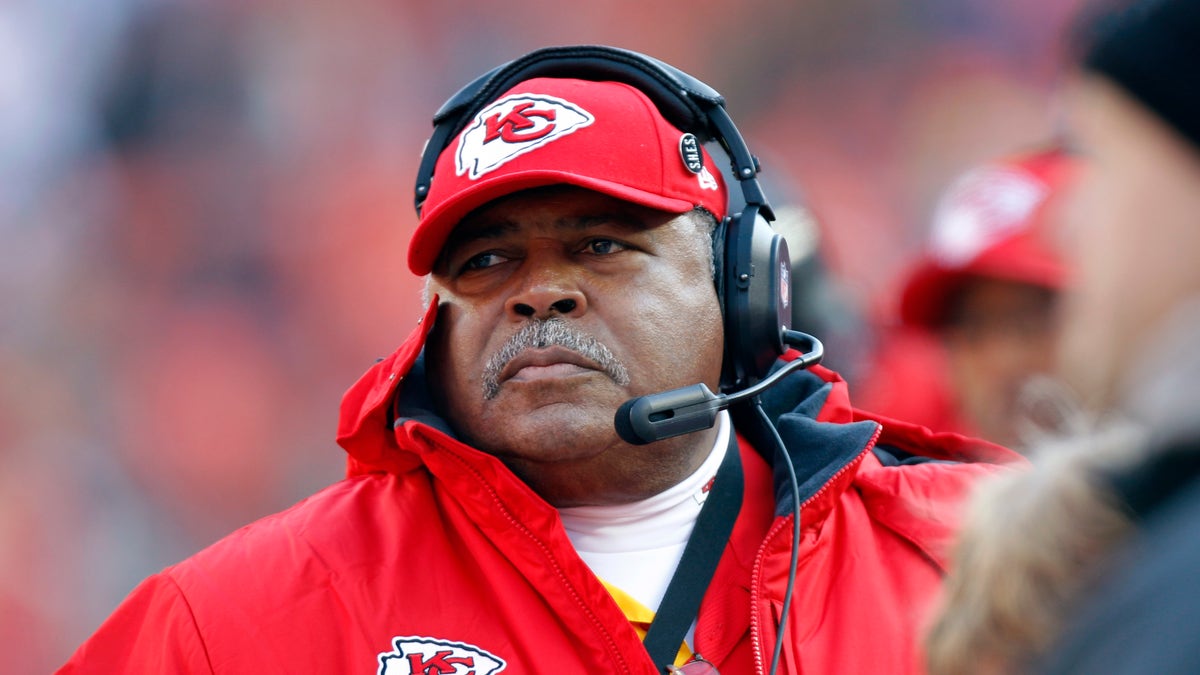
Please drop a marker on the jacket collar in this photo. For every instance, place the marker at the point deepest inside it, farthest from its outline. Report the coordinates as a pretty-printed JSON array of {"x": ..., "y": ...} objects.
[
  {"x": 365, "y": 418},
  {"x": 811, "y": 410}
]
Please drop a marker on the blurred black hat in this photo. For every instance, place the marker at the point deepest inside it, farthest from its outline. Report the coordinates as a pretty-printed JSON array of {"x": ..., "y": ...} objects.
[{"x": 1151, "y": 48}]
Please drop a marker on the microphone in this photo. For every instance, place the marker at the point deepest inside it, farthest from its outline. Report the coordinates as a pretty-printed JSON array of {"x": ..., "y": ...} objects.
[{"x": 653, "y": 417}]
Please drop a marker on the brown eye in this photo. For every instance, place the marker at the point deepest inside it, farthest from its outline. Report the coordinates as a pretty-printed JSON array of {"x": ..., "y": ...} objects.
[
  {"x": 604, "y": 246},
  {"x": 481, "y": 261}
]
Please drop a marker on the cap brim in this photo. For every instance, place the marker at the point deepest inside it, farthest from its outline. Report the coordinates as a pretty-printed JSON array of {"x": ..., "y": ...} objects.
[
  {"x": 926, "y": 294},
  {"x": 923, "y": 300},
  {"x": 436, "y": 225}
]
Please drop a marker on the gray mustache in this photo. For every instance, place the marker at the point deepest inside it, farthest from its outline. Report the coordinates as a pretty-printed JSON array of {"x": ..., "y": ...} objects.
[{"x": 541, "y": 333}]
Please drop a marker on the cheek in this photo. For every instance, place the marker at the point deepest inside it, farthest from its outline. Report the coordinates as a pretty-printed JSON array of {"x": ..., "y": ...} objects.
[
  {"x": 686, "y": 336},
  {"x": 1109, "y": 254},
  {"x": 453, "y": 360},
  {"x": 1099, "y": 254}
]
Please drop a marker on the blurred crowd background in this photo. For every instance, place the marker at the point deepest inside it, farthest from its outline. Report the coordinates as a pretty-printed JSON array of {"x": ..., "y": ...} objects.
[{"x": 204, "y": 206}]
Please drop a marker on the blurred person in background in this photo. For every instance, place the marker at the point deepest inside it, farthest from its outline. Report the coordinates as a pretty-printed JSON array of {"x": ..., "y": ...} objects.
[
  {"x": 493, "y": 516},
  {"x": 978, "y": 311},
  {"x": 1088, "y": 562},
  {"x": 1031, "y": 547},
  {"x": 1132, "y": 326}
]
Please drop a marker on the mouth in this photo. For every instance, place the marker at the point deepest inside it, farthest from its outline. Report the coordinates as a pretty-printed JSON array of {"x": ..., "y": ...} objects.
[
  {"x": 546, "y": 363},
  {"x": 550, "y": 352}
]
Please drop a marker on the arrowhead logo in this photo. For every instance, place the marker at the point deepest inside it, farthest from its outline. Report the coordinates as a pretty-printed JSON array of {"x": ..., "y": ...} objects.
[
  {"x": 981, "y": 208},
  {"x": 429, "y": 656},
  {"x": 513, "y": 126}
]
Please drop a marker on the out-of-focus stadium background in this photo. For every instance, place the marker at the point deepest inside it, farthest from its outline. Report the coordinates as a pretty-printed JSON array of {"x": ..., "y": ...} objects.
[{"x": 204, "y": 207}]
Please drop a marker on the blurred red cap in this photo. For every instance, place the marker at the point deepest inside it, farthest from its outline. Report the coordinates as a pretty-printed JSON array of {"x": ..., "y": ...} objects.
[{"x": 991, "y": 223}]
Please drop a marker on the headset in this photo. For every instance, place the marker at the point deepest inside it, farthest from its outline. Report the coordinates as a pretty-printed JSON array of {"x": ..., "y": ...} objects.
[{"x": 751, "y": 259}]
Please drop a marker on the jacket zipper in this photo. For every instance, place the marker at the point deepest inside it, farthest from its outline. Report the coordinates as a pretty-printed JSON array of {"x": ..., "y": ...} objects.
[
  {"x": 760, "y": 664},
  {"x": 553, "y": 564}
]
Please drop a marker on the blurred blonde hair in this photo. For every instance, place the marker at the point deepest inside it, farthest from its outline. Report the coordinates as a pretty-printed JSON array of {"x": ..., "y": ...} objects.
[{"x": 1031, "y": 543}]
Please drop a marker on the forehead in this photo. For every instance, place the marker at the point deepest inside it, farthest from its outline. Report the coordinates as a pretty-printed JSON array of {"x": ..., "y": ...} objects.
[{"x": 558, "y": 207}]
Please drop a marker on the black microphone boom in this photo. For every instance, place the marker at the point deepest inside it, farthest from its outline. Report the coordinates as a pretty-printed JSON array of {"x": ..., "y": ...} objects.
[{"x": 653, "y": 417}]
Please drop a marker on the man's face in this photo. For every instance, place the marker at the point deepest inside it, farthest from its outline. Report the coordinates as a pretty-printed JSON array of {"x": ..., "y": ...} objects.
[
  {"x": 558, "y": 305},
  {"x": 1134, "y": 236},
  {"x": 999, "y": 334}
]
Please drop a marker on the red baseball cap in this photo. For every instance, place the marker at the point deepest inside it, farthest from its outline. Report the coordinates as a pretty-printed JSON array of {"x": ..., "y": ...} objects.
[
  {"x": 603, "y": 136},
  {"x": 991, "y": 223}
]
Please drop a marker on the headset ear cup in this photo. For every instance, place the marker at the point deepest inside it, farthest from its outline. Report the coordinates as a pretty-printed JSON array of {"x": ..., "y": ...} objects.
[{"x": 756, "y": 298}]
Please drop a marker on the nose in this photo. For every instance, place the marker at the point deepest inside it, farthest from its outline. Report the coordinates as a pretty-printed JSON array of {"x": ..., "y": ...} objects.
[
  {"x": 548, "y": 288},
  {"x": 564, "y": 307}
]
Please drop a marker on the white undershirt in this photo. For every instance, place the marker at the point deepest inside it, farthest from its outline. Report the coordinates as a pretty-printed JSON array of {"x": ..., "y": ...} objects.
[{"x": 636, "y": 547}]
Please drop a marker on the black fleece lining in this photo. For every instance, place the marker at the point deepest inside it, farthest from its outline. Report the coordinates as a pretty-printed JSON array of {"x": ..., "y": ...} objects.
[
  {"x": 890, "y": 455},
  {"x": 414, "y": 402},
  {"x": 818, "y": 450}
]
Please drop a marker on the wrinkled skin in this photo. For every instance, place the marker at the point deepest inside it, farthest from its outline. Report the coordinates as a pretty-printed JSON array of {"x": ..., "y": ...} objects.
[{"x": 635, "y": 280}]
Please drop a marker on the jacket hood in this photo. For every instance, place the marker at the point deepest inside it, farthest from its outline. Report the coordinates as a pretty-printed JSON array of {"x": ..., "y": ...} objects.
[{"x": 366, "y": 416}]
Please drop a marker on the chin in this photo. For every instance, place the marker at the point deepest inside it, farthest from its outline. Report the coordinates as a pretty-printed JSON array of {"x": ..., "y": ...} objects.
[{"x": 555, "y": 430}]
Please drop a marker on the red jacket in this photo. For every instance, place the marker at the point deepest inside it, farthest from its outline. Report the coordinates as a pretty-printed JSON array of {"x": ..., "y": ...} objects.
[{"x": 431, "y": 557}]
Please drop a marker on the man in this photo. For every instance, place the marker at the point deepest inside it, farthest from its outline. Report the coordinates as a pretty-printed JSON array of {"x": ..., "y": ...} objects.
[
  {"x": 986, "y": 291},
  {"x": 492, "y": 518},
  {"x": 1133, "y": 326},
  {"x": 1098, "y": 546}
]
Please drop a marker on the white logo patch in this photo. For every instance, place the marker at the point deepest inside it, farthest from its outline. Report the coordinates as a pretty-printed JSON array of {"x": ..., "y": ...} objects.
[
  {"x": 981, "y": 208},
  {"x": 429, "y": 656},
  {"x": 513, "y": 126}
]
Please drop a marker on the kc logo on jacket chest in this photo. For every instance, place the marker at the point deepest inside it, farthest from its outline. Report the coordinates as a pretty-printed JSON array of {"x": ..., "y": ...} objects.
[{"x": 430, "y": 656}]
